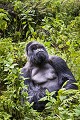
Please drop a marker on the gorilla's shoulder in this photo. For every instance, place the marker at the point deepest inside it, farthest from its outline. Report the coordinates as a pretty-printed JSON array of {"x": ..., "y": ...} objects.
[
  {"x": 56, "y": 59},
  {"x": 53, "y": 57},
  {"x": 58, "y": 63},
  {"x": 25, "y": 71},
  {"x": 26, "y": 67}
]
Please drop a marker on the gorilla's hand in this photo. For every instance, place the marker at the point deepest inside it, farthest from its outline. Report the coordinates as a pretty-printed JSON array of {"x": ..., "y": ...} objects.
[{"x": 35, "y": 93}]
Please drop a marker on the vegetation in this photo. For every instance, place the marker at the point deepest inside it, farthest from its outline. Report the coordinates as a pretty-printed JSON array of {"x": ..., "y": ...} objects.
[{"x": 54, "y": 23}]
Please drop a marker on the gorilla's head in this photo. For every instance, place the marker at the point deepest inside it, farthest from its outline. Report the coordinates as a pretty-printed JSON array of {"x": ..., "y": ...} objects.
[{"x": 36, "y": 53}]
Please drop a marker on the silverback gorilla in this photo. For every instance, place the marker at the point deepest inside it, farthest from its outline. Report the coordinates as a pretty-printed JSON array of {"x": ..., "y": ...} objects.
[{"x": 43, "y": 72}]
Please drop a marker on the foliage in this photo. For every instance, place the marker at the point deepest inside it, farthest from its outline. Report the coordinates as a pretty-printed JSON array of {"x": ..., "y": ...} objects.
[{"x": 54, "y": 23}]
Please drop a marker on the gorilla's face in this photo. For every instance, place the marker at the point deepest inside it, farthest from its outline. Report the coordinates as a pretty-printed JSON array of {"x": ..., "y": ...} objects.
[{"x": 37, "y": 53}]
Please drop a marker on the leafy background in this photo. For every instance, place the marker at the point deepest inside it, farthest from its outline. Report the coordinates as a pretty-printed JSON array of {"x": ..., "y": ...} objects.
[{"x": 54, "y": 23}]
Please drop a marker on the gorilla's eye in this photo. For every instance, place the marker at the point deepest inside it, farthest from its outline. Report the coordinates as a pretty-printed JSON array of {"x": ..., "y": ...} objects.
[
  {"x": 34, "y": 47},
  {"x": 40, "y": 47}
]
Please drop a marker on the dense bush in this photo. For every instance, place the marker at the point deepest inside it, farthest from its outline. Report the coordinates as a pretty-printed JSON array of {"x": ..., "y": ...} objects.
[{"x": 54, "y": 23}]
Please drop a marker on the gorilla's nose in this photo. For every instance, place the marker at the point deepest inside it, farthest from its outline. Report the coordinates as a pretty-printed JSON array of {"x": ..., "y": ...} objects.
[
  {"x": 40, "y": 50},
  {"x": 41, "y": 55}
]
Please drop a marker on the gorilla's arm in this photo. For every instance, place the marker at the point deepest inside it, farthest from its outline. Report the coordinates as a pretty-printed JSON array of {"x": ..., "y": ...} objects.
[
  {"x": 63, "y": 72},
  {"x": 33, "y": 90},
  {"x": 25, "y": 72}
]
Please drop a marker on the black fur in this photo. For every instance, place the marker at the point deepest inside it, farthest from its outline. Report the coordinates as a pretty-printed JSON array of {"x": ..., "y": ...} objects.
[{"x": 44, "y": 72}]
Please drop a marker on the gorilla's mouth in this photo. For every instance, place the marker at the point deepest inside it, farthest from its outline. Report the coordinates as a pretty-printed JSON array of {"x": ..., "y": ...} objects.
[{"x": 41, "y": 57}]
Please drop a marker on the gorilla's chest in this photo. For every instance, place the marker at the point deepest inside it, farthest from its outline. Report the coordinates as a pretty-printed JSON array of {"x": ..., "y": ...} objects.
[
  {"x": 45, "y": 77},
  {"x": 41, "y": 75}
]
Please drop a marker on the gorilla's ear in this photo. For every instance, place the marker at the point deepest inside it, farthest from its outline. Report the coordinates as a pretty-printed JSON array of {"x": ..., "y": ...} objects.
[{"x": 28, "y": 46}]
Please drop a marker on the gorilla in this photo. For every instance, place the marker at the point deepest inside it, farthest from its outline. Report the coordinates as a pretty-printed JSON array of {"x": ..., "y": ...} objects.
[{"x": 42, "y": 72}]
